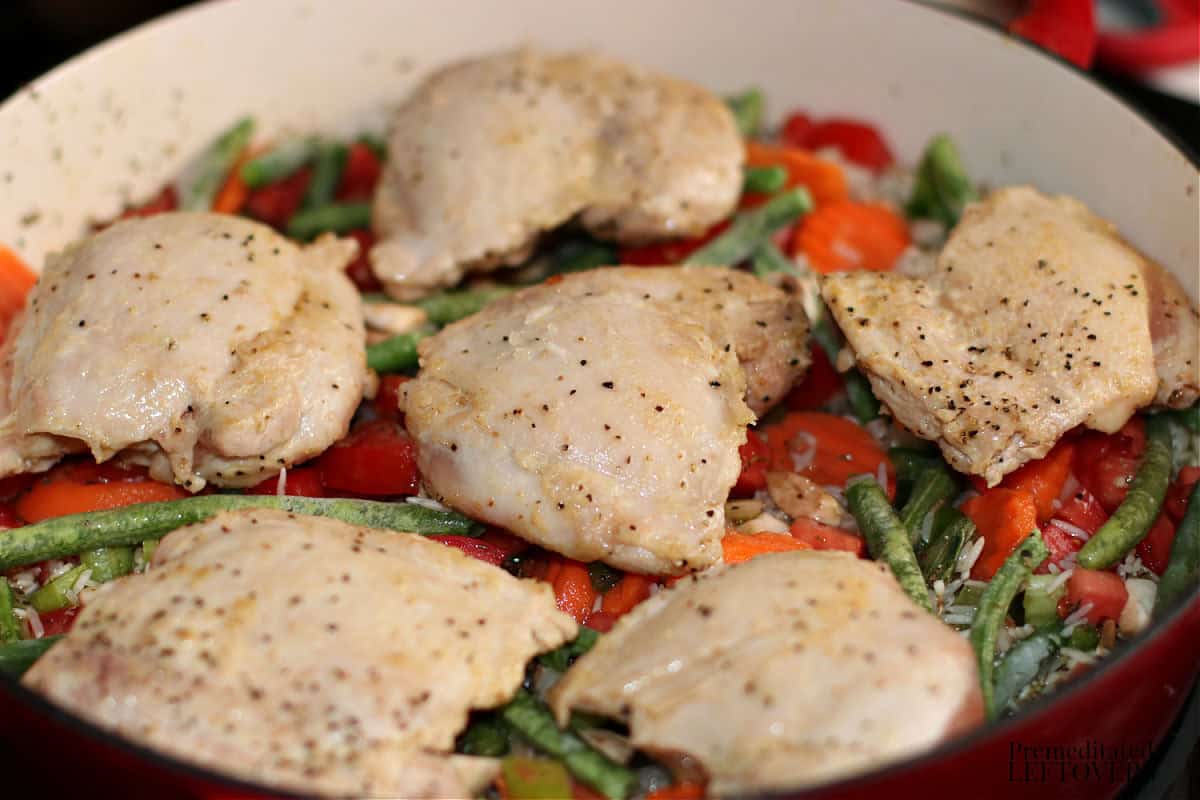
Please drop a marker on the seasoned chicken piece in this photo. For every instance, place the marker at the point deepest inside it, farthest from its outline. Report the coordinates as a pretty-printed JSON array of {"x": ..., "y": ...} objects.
[
  {"x": 765, "y": 326},
  {"x": 206, "y": 346},
  {"x": 305, "y": 653},
  {"x": 1036, "y": 320},
  {"x": 596, "y": 419},
  {"x": 1175, "y": 329},
  {"x": 489, "y": 153},
  {"x": 784, "y": 671}
]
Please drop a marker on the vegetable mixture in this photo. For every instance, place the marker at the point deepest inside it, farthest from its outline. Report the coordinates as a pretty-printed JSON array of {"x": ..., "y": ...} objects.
[{"x": 1042, "y": 572}]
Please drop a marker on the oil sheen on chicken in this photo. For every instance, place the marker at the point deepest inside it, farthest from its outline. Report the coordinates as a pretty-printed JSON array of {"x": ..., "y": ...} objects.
[
  {"x": 781, "y": 672},
  {"x": 488, "y": 153},
  {"x": 305, "y": 653},
  {"x": 204, "y": 345}
]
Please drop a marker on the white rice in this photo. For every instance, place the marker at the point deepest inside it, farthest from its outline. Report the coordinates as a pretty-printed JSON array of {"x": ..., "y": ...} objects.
[
  {"x": 926, "y": 531},
  {"x": 803, "y": 460},
  {"x": 880, "y": 429},
  {"x": 1059, "y": 580},
  {"x": 281, "y": 486},
  {"x": 35, "y": 623},
  {"x": 426, "y": 502},
  {"x": 24, "y": 582},
  {"x": 1076, "y": 531},
  {"x": 57, "y": 568},
  {"x": 968, "y": 556}
]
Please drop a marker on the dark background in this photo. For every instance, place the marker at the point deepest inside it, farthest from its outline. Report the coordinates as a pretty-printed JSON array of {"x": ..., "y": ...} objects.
[{"x": 36, "y": 35}]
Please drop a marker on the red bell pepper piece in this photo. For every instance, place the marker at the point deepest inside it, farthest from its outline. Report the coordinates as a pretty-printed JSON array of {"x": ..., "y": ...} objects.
[
  {"x": 376, "y": 459},
  {"x": 387, "y": 399},
  {"x": 301, "y": 482},
  {"x": 360, "y": 174},
  {"x": 1180, "y": 491},
  {"x": 1060, "y": 543},
  {"x": 476, "y": 548},
  {"x": 629, "y": 591},
  {"x": 1004, "y": 518},
  {"x": 1155, "y": 548},
  {"x": 755, "y": 461},
  {"x": 9, "y": 518},
  {"x": 821, "y": 383},
  {"x": 276, "y": 202},
  {"x": 858, "y": 141},
  {"x": 1044, "y": 478},
  {"x": 359, "y": 270},
  {"x": 1104, "y": 590},
  {"x": 672, "y": 252}
]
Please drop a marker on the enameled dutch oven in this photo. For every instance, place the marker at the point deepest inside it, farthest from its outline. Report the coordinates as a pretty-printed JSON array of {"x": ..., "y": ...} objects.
[{"x": 117, "y": 122}]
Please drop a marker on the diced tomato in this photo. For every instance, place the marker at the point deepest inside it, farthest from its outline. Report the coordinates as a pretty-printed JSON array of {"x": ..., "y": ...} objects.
[
  {"x": 1180, "y": 491},
  {"x": 842, "y": 449},
  {"x": 1104, "y": 590},
  {"x": 1059, "y": 542},
  {"x": 1155, "y": 549},
  {"x": 360, "y": 174},
  {"x": 820, "y": 384},
  {"x": 476, "y": 548},
  {"x": 1004, "y": 518},
  {"x": 1083, "y": 510},
  {"x": 165, "y": 200},
  {"x": 672, "y": 252},
  {"x": 755, "y": 461},
  {"x": 377, "y": 459},
  {"x": 1044, "y": 478},
  {"x": 824, "y": 537},
  {"x": 56, "y": 622},
  {"x": 301, "y": 482},
  {"x": 1106, "y": 464},
  {"x": 359, "y": 270},
  {"x": 9, "y": 518},
  {"x": 387, "y": 399},
  {"x": 276, "y": 202}
]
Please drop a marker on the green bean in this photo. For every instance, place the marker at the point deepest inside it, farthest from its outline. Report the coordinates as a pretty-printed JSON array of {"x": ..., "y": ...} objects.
[
  {"x": 395, "y": 354},
  {"x": 131, "y": 525},
  {"x": 486, "y": 736},
  {"x": 1021, "y": 665},
  {"x": 578, "y": 255},
  {"x": 17, "y": 657},
  {"x": 529, "y": 717},
  {"x": 331, "y": 218},
  {"x": 864, "y": 405},
  {"x": 452, "y": 305},
  {"x": 751, "y": 228},
  {"x": 108, "y": 563},
  {"x": 939, "y": 559},
  {"x": 764, "y": 180},
  {"x": 942, "y": 189},
  {"x": 887, "y": 538},
  {"x": 1130, "y": 523},
  {"x": 279, "y": 162},
  {"x": 993, "y": 607},
  {"x": 767, "y": 259},
  {"x": 602, "y": 576},
  {"x": 330, "y": 161},
  {"x": 213, "y": 166},
  {"x": 747, "y": 109},
  {"x": 560, "y": 658},
  {"x": 910, "y": 462},
  {"x": 10, "y": 626},
  {"x": 932, "y": 488},
  {"x": 58, "y": 593},
  {"x": 1183, "y": 567}
]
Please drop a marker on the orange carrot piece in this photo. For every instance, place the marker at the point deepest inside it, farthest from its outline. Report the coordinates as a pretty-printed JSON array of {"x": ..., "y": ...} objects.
[
  {"x": 58, "y": 497},
  {"x": 1044, "y": 479},
  {"x": 842, "y": 449},
  {"x": 846, "y": 235},
  {"x": 233, "y": 193},
  {"x": 739, "y": 547},
  {"x": 678, "y": 791},
  {"x": 1004, "y": 518},
  {"x": 573, "y": 591},
  {"x": 629, "y": 591},
  {"x": 824, "y": 179},
  {"x": 16, "y": 279}
]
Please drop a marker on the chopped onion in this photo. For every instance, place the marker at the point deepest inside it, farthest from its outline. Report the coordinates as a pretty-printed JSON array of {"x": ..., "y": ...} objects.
[{"x": 1076, "y": 531}]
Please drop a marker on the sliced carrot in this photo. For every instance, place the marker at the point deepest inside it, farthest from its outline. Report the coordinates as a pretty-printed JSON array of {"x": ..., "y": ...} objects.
[
  {"x": 678, "y": 791},
  {"x": 57, "y": 497},
  {"x": 573, "y": 591},
  {"x": 233, "y": 193},
  {"x": 629, "y": 591},
  {"x": 846, "y": 235},
  {"x": 1004, "y": 518},
  {"x": 16, "y": 279},
  {"x": 1044, "y": 478},
  {"x": 824, "y": 179},
  {"x": 841, "y": 449},
  {"x": 824, "y": 537},
  {"x": 739, "y": 547}
]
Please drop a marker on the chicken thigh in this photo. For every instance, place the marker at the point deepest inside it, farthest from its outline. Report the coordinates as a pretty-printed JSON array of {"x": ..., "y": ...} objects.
[
  {"x": 1035, "y": 320},
  {"x": 489, "y": 153},
  {"x": 206, "y": 346},
  {"x": 600, "y": 416},
  {"x": 784, "y": 671},
  {"x": 303, "y": 652}
]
